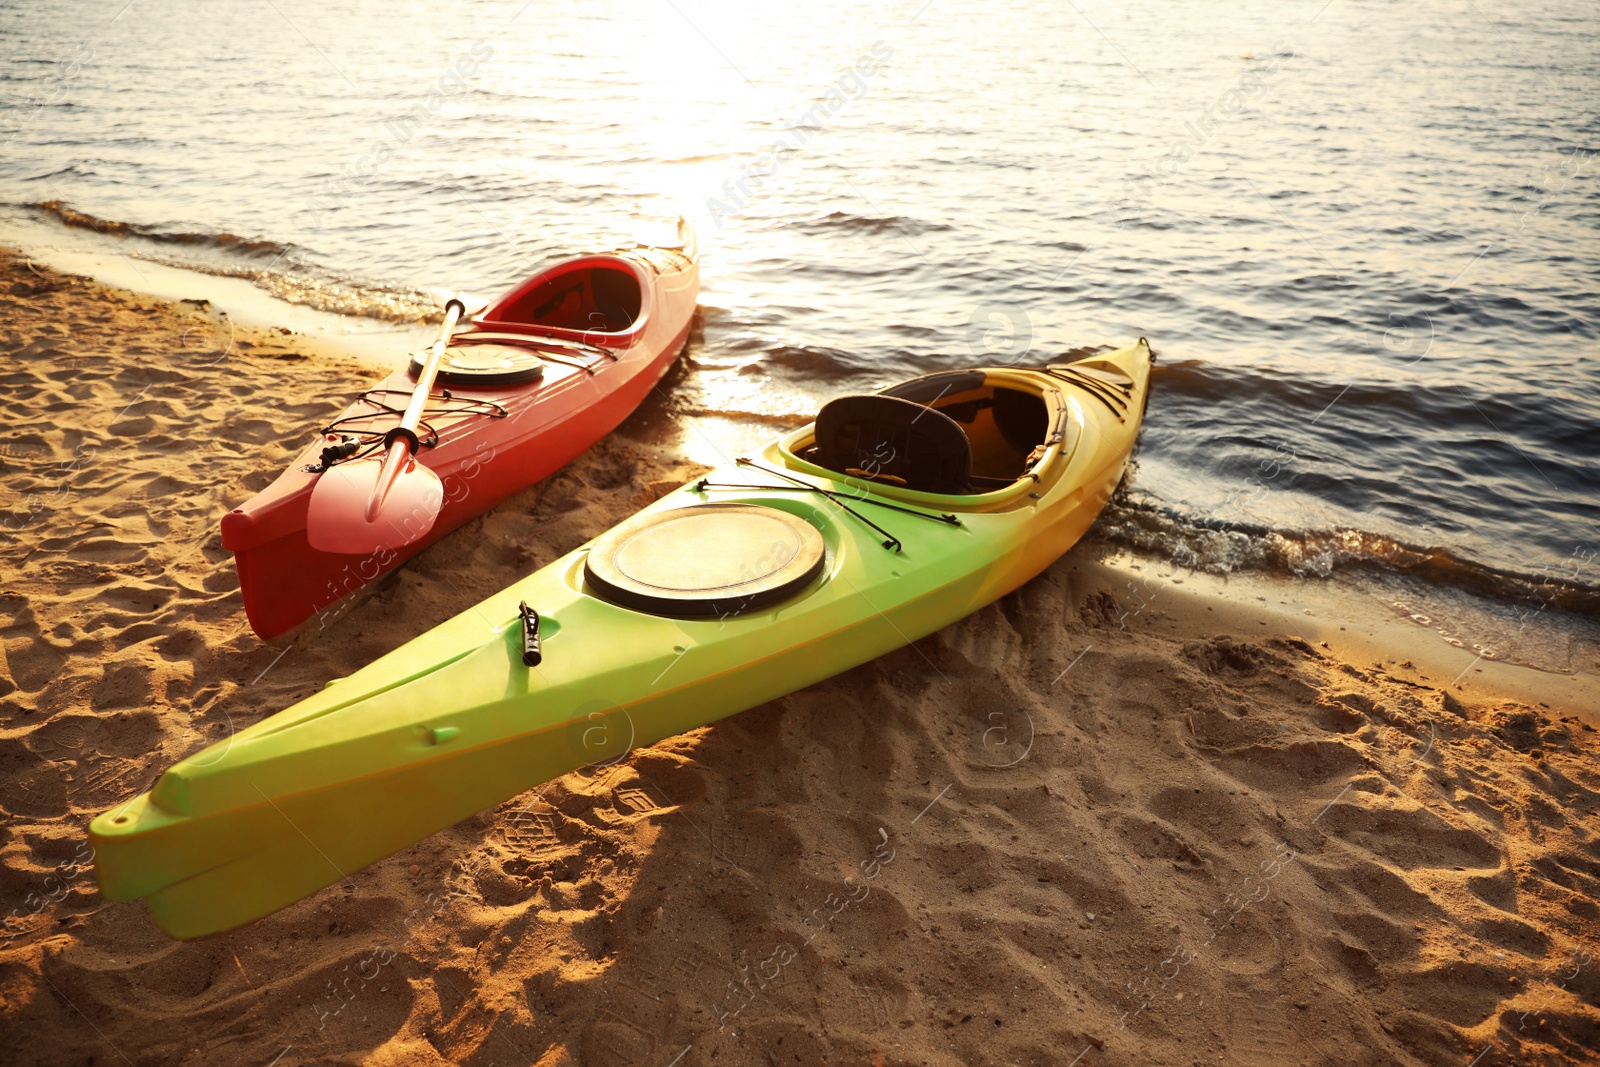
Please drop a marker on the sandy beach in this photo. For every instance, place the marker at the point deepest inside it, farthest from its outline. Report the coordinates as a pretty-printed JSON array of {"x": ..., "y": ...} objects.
[{"x": 1061, "y": 831}]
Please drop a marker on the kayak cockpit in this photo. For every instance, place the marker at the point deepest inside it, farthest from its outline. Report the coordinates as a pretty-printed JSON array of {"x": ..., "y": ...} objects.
[
  {"x": 965, "y": 434},
  {"x": 592, "y": 295}
]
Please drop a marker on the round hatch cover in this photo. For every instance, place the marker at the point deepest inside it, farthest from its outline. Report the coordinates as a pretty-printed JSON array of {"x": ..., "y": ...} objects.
[
  {"x": 483, "y": 364},
  {"x": 706, "y": 559}
]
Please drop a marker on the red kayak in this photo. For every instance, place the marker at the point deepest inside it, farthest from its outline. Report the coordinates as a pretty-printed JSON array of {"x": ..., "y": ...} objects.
[{"x": 539, "y": 376}]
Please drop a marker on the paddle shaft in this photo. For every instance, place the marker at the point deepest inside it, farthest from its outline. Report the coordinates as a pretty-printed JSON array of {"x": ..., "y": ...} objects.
[{"x": 403, "y": 442}]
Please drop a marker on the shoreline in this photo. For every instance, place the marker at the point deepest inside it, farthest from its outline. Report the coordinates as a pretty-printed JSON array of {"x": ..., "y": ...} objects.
[
  {"x": 383, "y": 344},
  {"x": 1310, "y": 796},
  {"x": 1354, "y": 624}
]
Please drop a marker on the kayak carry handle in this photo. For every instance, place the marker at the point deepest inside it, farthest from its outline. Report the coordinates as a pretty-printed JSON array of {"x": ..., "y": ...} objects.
[{"x": 531, "y": 652}]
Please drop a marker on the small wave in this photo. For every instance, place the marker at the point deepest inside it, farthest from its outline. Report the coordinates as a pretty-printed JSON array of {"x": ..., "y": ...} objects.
[
  {"x": 781, "y": 420},
  {"x": 227, "y": 242},
  {"x": 823, "y": 364},
  {"x": 712, "y": 157},
  {"x": 348, "y": 298},
  {"x": 1224, "y": 548},
  {"x": 873, "y": 224},
  {"x": 267, "y": 264}
]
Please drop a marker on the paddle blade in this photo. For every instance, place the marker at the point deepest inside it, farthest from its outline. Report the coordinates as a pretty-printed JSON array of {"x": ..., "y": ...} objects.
[{"x": 336, "y": 520}]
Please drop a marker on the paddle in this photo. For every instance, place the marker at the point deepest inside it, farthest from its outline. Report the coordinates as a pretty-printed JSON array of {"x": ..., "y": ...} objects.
[{"x": 362, "y": 507}]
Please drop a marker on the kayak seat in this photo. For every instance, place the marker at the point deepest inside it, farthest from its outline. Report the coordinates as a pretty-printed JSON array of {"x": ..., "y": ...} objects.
[
  {"x": 897, "y": 441},
  {"x": 1003, "y": 426}
]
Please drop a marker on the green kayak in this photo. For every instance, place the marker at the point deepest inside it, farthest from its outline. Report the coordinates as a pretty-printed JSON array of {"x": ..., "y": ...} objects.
[{"x": 889, "y": 517}]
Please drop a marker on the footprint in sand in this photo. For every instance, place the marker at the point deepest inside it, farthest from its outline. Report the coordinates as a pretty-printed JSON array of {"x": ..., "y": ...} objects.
[{"x": 33, "y": 660}]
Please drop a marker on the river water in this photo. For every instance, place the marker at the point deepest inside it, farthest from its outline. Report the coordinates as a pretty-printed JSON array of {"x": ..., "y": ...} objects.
[{"x": 1360, "y": 235}]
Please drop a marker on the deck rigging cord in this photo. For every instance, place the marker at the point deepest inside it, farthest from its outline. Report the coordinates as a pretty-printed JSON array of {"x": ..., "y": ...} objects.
[
  {"x": 552, "y": 349},
  {"x": 891, "y": 542},
  {"x": 358, "y": 442},
  {"x": 676, "y": 257},
  {"x": 1104, "y": 392}
]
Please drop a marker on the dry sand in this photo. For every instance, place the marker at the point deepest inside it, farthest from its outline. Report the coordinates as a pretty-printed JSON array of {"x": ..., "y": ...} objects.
[{"x": 1035, "y": 837}]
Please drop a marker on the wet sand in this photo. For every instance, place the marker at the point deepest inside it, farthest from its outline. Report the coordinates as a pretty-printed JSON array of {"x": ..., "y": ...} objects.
[{"x": 1060, "y": 831}]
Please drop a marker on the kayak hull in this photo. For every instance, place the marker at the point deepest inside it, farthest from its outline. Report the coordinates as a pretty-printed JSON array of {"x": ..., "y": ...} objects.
[
  {"x": 453, "y": 723},
  {"x": 481, "y": 461}
]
